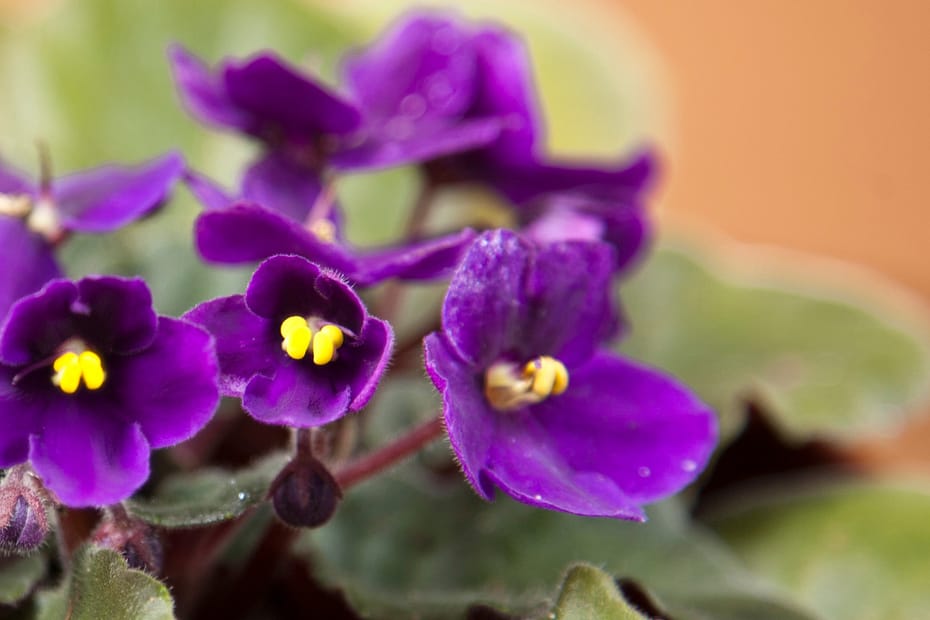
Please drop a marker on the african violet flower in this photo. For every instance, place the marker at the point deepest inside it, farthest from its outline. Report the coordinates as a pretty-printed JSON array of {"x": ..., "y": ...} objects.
[
  {"x": 34, "y": 218},
  {"x": 91, "y": 379},
  {"x": 533, "y": 406},
  {"x": 298, "y": 347}
]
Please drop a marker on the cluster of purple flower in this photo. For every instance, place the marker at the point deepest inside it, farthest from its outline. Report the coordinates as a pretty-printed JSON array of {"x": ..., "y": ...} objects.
[{"x": 533, "y": 403}]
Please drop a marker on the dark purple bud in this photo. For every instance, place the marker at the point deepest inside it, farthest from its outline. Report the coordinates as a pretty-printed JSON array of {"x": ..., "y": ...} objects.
[
  {"x": 305, "y": 494},
  {"x": 137, "y": 541},
  {"x": 23, "y": 516}
]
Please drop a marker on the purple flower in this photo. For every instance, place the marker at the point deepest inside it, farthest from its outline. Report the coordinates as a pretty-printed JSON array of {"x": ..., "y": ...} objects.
[
  {"x": 91, "y": 379},
  {"x": 33, "y": 219},
  {"x": 298, "y": 347},
  {"x": 533, "y": 406}
]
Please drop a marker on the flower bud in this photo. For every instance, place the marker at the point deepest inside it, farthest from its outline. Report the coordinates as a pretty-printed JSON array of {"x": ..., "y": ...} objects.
[
  {"x": 137, "y": 541},
  {"x": 23, "y": 515},
  {"x": 305, "y": 494}
]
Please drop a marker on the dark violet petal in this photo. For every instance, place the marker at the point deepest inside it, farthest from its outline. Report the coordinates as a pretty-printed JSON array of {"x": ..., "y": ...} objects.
[
  {"x": 630, "y": 424},
  {"x": 470, "y": 422},
  {"x": 115, "y": 314},
  {"x": 203, "y": 92},
  {"x": 289, "y": 285},
  {"x": 13, "y": 182},
  {"x": 280, "y": 97},
  {"x": 426, "y": 260},
  {"x": 298, "y": 395},
  {"x": 246, "y": 233},
  {"x": 106, "y": 198},
  {"x": 246, "y": 344},
  {"x": 277, "y": 183},
  {"x": 485, "y": 302},
  {"x": 28, "y": 264},
  {"x": 370, "y": 359},
  {"x": 207, "y": 193},
  {"x": 38, "y": 323},
  {"x": 170, "y": 388},
  {"x": 422, "y": 67},
  {"x": 88, "y": 454},
  {"x": 20, "y": 416}
]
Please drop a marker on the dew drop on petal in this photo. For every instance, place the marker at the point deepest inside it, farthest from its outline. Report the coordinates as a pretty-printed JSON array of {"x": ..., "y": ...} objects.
[
  {"x": 644, "y": 472},
  {"x": 537, "y": 497},
  {"x": 688, "y": 465}
]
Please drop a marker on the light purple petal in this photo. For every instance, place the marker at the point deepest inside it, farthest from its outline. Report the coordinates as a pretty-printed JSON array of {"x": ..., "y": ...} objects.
[
  {"x": 106, "y": 198},
  {"x": 29, "y": 262},
  {"x": 298, "y": 395},
  {"x": 207, "y": 193},
  {"x": 20, "y": 416},
  {"x": 170, "y": 389},
  {"x": 631, "y": 424},
  {"x": 203, "y": 92},
  {"x": 88, "y": 453},
  {"x": 277, "y": 183},
  {"x": 426, "y": 260},
  {"x": 13, "y": 181},
  {"x": 246, "y": 344}
]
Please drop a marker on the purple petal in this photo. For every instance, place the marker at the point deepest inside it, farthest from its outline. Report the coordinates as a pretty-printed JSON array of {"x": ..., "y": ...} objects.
[
  {"x": 371, "y": 358},
  {"x": 275, "y": 182},
  {"x": 298, "y": 395},
  {"x": 20, "y": 416},
  {"x": 115, "y": 314},
  {"x": 246, "y": 233},
  {"x": 87, "y": 453},
  {"x": 106, "y": 198},
  {"x": 280, "y": 97},
  {"x": 29, "y": 261},
  {"x": 37, "y": 324},
  {"x": 207, "y": 193},
  {"x": 426, "y": 260},
  {"x": 14, "y": 182},
  {"x": 169, "y": 389},
  {"x": 204, "y": 94},
  {"x": 246, "y": 344},
  {"x": 288, "y": 285},
  {"x": 631, "y": 424}
]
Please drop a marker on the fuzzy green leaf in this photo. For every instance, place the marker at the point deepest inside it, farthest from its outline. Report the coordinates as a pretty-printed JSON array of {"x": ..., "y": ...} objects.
[
  {"x": 19, "y": 575},
  {"x": 589, "y": 593}
]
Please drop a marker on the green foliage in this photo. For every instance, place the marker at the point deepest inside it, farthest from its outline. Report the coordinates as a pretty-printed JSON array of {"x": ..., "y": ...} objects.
[
  {"x": 101, "y": 585},
  {"x": 822, "y": 366},
  {"x": 19, "y": 575},
  {"x": 589, "y": 593}
]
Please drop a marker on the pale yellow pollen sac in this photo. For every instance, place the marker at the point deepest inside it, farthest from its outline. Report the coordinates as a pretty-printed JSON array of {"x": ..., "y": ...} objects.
[
  {"x": 15, "y": 205},
  {"x": 324, "y": 230},
  {"x": 508, "y": 387},
  {"x": 299, "y": 338},
  {"x": 70, "y": 368},
  {"x": 45, "y": 220}
]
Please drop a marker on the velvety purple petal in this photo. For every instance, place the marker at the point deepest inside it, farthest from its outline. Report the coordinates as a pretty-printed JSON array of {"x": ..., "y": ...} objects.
[
  {"x": 246, "y": 344},
  {"x": 422, "y": 67},
  {"x": 88, "y": 453},
  {"x": 170, "y": 388},
  {"x": 246, "y": 233},
  {"x": 372, "y": 354},
  {"x": 426, "y": 260},
  {"x": 13, "y": 181},
  {"x": 115, "y": 314},
  {"x": 20, "y": 416},
  {"x": 38, "y": 323},
  {"x": 298, "y": 395},
  {"x": 207, "y": 193},
  {"x": 203, "y": 92},
  {"x": 106, "y": 198},
  {"x": 29, "y": 261},
  {"x": 280, "y": 97},
  {"x": 631, "y": 424},
  {"x": 484, "y": 304},
  {"x": 277, "y": 183}
]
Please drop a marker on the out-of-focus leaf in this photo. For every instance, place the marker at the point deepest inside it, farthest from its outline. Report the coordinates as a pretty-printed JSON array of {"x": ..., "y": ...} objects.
[
  {"x": 857, "y": 552},
  {"x": 101, "y": 585},
  {"x": 589, "y": 593},
  {"x": 827, "y": 367},
  {"x": 208, "y": 495},
  {"x": 404, "y": 552},
  {"x": 19, "y": 575}
]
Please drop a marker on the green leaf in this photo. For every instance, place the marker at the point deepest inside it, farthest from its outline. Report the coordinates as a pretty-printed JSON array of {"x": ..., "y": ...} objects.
[
  {"x": 857, "y": 552},
  {"x": 589, "y": 593},
  {"x": 208, "y": 495},
  {"x": 835, "y": 367},
  {"x": 19, "y": 575},
  {"x": 101, "y": 585},
  {"x": 402, "y": 551}
]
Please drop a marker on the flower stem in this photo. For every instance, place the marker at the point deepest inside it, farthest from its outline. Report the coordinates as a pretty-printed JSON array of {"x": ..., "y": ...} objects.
[{"x": 389, "y": 454}]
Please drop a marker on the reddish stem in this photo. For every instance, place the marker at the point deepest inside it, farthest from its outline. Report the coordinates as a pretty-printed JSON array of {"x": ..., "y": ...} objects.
[{"x": 390, "y": 454}]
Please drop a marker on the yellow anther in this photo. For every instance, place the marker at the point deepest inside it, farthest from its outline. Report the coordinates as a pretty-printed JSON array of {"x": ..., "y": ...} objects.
[
  {"x": 297, "y": 337},
  {"x": 70, "y": 368},
  {"x": 507, "y": 387},
  {"x": 325, "y": 343},
  {"x": 92, "y": 370}
]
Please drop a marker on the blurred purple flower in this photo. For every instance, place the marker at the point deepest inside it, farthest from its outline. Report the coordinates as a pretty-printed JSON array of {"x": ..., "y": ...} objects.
[
  {"x": 298, "y": 348},
  {"x": 91, "y": 379},
  {"x": 531, "y": 403},
  {"x": 33, "y": 218}
]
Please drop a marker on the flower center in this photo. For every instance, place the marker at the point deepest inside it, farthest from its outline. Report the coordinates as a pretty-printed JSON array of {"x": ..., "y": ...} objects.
[
  {"x": 507, "y": 386},
  {"x": 299, "y": 337},
  {"x": 324, "y": 230},
  {"x": 71, "y": 367},
  {"x": 40, "y": 215}
]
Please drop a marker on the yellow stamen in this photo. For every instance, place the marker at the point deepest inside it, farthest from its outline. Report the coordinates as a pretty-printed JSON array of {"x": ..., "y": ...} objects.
[
  {"x": 325, "y": 344},
  {"x": 92, "y": 370},
  {"x": 508, "y": 388},
  {"x": 297, "y": 337},
  {"x": 70, "y": 368}
]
